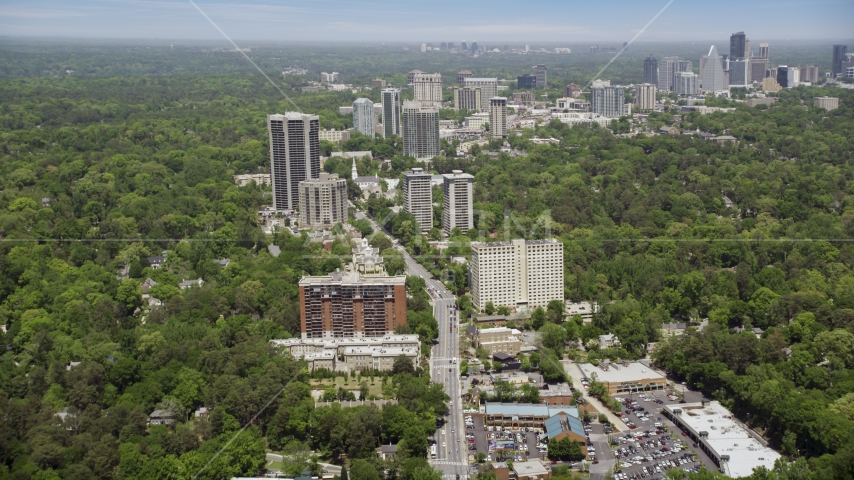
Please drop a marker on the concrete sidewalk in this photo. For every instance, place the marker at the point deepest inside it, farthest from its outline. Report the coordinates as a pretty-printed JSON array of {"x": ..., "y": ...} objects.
[{"x": 571, "y": 369}]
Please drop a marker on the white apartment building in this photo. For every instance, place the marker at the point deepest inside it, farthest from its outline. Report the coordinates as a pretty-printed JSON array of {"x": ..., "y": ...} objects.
[
  {"x": 418, "y": 197},
  {"x": 322, "y": 201},
  {"x": 478, "y": 120},
  {"x": 686, "y": 83},
  {"x": 427, "y": 87},
  {"x": 458, "y": 189},
  {"x": 328, "y": 77},
  {"x": 363, "y": 116},
  {"x": 467, "y": 98},
  {"x": 488, "y": 89},
  {"x": 520, "y": 273},
  {"x": 258, "y": 178},
  {"x": 827, "y": 103},
  {"x": 420, "y": 130},
  {"x": 645, "y": 96},
  {"x": 609, "y": 101},
  {"x": 353, "y": 353},
  {"x": 334, "y": 135},
  {"x": 498, "y": 117}
]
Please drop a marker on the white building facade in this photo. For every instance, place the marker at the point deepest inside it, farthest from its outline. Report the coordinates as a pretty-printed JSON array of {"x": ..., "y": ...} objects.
[
  {"x": 418, "y": 197},
  {"x": 517, "y": 274},
  {"x": 458, "y": 193}
]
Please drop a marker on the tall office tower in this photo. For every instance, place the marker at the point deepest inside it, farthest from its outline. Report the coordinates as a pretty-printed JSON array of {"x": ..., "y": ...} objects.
[
  {"x": 712, "y": 72},
  {"x": 838, "y": 58},
  {"x": 572, "y": 90},
  {"x": 322, "y": 201},
  {"x": 783, "y": 76},
  {"x": 527, "y": 48},
  {"x": 391, "y": 111},
  {"x": 341, "y": 305},
  {"x": 739, "y": 71},
  {"x": 294, "y": 155},
  {"x": 410, "y": 79},
  {"x": 420, "y": 128},
  {"x": 526, "y": 81},
  {"x": 645, "y": 96},
  {"x": 686, "y": 83},
  {"x": 464, "y": 46},
  {"x": 427, "y": 87},
  {"x": 809, "y": 74},
  {"x": 763, "y": 50},
  {"x": 443, "y": 45},
  {"x": 458, "y": 213},
  {"x": 737, "y": 44},
  {"x": 467, "y": 98},
  {"x": 418, "y": 197},
  {"x": 473, "y": 47},
  {"x": 462, "y": 75},
  {"x": 450, "y": 45},
  {"x": 650, "y": 70},
  {"x": 488, "y": 89},
  {"x": 665, "y": 73},
  {"x": 608, "y": 101},
  {"x": 519, "y": 273},
  {"x": 363, "y": 116},
  {"x": 498, "y": 117},
  {"x": 680, "y": 66},
  {"x": 758, "y": 68},
  {"x": 747, "y": 52},
  {"x": 423, "y": 47},
  {"x": 539, "y": 71}
]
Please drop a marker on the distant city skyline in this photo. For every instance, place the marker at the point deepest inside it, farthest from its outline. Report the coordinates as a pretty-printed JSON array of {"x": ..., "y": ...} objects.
[{"x": 410, "y": 21}]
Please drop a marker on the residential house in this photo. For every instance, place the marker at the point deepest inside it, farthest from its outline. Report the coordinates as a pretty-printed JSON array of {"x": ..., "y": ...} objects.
[
  {"x": 161, "y": 417},
  {"x": 198, "y": 282}
]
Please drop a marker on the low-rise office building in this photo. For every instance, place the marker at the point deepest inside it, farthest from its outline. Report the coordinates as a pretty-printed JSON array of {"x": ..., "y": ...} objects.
[
  {"x": 516, "y": 415},
  {"x": 733, "y": 449},
  {"x": 621, "y": 379},
  {"x": 352, "y": 354},
  {"x": 500, "y": 339}
]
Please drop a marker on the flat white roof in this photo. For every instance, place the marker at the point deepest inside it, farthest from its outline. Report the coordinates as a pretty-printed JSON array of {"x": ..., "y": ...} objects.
[
  {"x": 617, "y": 373},
  {"x": 530, "y": 468},
  {"x": 726, "y": 437}
]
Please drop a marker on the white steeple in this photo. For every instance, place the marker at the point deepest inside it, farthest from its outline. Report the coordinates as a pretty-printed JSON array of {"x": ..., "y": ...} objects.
[{"x": 354, "y": 173}]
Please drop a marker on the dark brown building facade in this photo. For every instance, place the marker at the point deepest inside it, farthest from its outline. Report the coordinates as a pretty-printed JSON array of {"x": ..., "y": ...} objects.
[{"x": 342, "y": 305}]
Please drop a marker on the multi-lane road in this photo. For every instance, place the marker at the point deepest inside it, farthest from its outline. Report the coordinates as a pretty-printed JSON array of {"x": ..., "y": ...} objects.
[{"x": 452, "y": 448}]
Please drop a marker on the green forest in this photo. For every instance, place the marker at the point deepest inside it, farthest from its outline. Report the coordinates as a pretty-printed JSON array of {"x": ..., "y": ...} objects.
[{"x": 105, "y": 167}]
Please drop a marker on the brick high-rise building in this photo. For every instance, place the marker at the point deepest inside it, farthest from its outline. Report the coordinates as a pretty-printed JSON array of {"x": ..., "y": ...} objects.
[{"x": 346, "y": 304}]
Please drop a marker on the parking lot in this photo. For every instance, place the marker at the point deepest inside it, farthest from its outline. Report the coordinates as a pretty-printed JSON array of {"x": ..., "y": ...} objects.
[
  {"x": 654, "y": 445},
  {"x": 500, "y": 445}
]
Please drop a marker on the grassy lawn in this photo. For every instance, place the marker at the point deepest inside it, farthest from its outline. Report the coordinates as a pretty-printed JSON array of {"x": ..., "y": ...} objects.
[
  {"x": 375, "y": 389},
  {"x": 274, "y": 465}
]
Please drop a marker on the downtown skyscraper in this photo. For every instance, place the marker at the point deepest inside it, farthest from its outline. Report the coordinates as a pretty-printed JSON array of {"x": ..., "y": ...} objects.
[
  {"x": 650, "y": 70},
  {"x": 712, "y": 77}
]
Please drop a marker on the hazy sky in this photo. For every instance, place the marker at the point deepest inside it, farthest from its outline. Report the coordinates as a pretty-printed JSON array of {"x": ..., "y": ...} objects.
[{"x": 505, "y": 21}]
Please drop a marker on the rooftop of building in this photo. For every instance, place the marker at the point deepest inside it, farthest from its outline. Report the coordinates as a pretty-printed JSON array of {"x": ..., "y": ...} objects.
[
  {"x": 531, "y": 468},
  {"x": 352, "y": 278},
  {"x": 617, "y": 373},
  {"x": 725, "y": 436},
  {"x": 381, "y": 351},
  {"x": 390, "y": 338},
  {"x": 557, "y": 424},
  {"x": 547, "y": 241},
  {"x": 529, "y": 409},
  {"x": 481, "y": 79},
  {"x": 457, "y": 174},
  {"x": 292, "y": 116}
]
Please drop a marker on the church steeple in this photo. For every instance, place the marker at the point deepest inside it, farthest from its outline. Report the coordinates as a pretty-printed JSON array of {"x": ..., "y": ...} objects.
[{"x": 354, "y": 173}]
